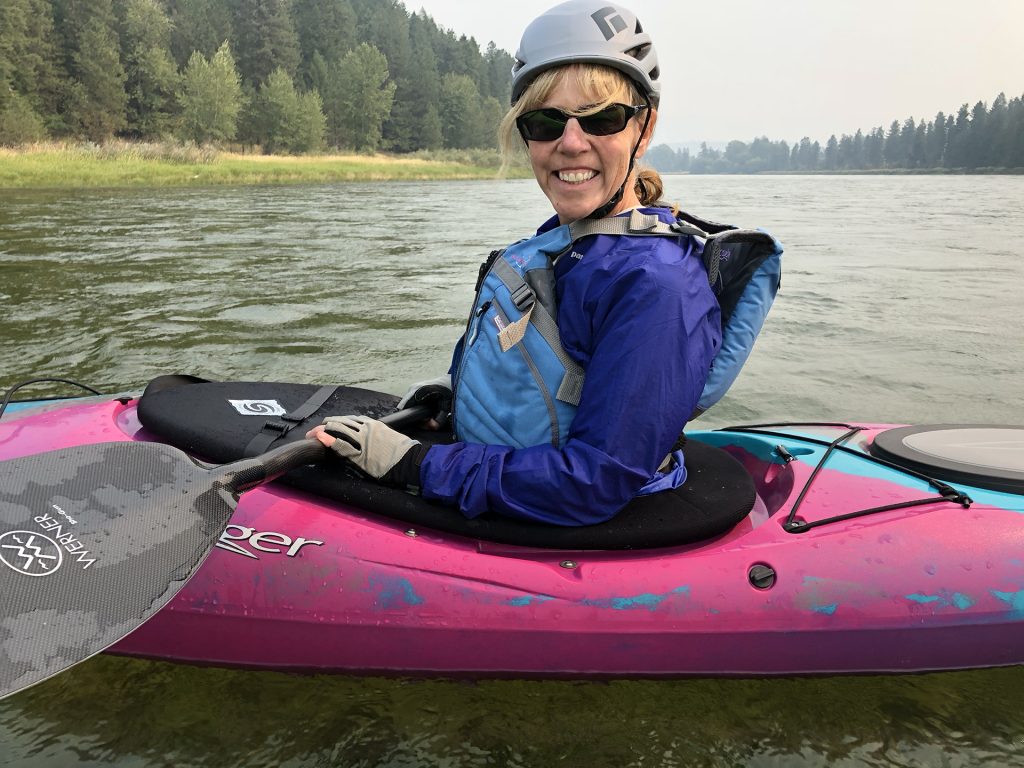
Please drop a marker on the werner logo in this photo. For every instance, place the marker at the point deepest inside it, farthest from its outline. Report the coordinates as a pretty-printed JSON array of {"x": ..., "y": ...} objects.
[
  {"x": 30, "y": 554},
  {"x": 242, "y": 540},
  {"x": 608, "y": 21}
]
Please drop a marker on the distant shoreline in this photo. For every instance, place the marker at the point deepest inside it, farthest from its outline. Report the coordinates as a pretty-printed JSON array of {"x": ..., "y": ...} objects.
[
  {"x": 873, "y": 172},
  {"x": 127, "y": 164}
]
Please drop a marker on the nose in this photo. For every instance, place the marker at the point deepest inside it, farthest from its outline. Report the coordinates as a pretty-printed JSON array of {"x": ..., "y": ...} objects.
[{"x": 574, "y": 138}]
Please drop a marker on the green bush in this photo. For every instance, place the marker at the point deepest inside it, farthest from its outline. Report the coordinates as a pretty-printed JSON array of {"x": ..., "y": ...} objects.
[{"x": 20, "y": 123}]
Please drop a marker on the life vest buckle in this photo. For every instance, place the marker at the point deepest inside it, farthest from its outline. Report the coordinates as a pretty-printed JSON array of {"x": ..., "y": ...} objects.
[{"x": 522, "y": 297}]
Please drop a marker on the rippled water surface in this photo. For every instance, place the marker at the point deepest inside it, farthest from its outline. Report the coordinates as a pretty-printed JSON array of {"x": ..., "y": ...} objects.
[{"x": 901, "y": 302}]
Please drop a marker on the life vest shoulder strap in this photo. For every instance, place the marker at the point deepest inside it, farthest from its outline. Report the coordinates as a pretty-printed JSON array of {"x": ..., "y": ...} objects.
[{"x": 638, "y": 224}]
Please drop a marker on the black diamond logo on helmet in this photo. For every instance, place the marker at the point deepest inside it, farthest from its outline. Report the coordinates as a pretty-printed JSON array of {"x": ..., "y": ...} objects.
[{"x": 608, "y": 21}]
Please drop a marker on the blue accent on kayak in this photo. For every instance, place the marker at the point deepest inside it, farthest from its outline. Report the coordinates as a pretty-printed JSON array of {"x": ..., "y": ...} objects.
[
  {"x": 22, "y": 405},
  {"x": 763, "y": 447},
  {"x": 525, "y": 600},
  {"x": 394, "y": 592},
  {"x": 646, "y": 600},
  {"x": 827, "y": 610},
  {"x": 944, "y": 599},
  {"x": 1014, "y": 599},
  {"x": 12, "y": 407}
]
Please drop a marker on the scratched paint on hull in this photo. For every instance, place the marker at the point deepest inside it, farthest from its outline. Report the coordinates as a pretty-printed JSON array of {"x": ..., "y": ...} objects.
[
  {"x": 646, "y": 600},
  {"x": 1014, "y": 599},
  {"x": 393, "y": 591},
  {"x": 944, "y": 599}
]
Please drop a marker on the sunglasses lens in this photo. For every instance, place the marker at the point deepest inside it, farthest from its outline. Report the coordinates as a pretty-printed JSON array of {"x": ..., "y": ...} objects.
[
  {"x": 542, "y": 125},
  {"x": 609, "y": 120}
]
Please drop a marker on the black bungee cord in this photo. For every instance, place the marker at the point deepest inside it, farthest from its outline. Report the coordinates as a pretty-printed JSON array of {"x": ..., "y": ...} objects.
[{"x": 10, "y": 392}]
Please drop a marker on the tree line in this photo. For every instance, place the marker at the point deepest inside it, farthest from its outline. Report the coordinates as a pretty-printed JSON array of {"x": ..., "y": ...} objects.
[
  {"x": 980, "y": 138},
  {"x": 287, "y": 75}
]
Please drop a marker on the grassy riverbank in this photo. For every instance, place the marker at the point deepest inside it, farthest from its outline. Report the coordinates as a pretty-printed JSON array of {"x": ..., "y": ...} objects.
[{"x": 125, "y": 164}]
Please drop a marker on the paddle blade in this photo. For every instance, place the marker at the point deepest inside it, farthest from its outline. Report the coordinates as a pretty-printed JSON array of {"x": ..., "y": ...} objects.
[{"x": 94, "y": 540}]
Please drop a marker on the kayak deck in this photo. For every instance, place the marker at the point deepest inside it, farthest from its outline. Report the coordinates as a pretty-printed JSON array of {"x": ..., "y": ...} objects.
[{"x": 298, "y": 583}]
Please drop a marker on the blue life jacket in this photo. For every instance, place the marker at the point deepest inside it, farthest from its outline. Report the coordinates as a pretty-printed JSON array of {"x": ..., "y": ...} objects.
[{"x": 513, "y": 382}]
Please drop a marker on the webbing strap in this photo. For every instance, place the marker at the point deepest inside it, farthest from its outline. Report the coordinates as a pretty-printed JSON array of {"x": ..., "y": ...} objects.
[
  {"x": 276, "y": 429},
  {"x": 512, "y": 279},
  {"x": 638, "y": 224},
  {"x": 541, "y": 319},
  {"x": 571, "y": 388}
]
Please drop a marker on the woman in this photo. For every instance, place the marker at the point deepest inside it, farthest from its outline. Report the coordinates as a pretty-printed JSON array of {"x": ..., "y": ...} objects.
[{"x": 634, "y": 313}]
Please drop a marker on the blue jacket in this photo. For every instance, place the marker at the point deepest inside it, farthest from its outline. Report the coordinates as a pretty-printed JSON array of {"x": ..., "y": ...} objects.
[{"x": 638, "y": 314}]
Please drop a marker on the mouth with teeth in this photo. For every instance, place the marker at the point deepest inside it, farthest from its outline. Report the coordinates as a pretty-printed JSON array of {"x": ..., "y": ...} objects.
[{"x": 576, "y": 177}]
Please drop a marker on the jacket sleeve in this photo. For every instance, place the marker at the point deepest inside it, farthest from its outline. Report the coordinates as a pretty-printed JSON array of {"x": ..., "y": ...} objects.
[{"x": 650, "y": 334}]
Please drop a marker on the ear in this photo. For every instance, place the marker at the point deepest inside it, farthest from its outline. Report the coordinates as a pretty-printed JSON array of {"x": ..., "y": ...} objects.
[{"x": 645, "y": 140}]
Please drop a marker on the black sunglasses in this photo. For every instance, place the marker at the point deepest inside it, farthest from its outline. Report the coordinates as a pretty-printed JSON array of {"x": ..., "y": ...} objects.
[{"x": 548, "y": 124}]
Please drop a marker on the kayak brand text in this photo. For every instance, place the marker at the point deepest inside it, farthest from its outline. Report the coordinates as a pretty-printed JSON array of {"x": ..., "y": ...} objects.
[{"x": 241, "y": 539}]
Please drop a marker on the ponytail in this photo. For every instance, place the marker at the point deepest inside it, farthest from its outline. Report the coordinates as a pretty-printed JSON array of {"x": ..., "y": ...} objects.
[{"x": 649, "y": 187}]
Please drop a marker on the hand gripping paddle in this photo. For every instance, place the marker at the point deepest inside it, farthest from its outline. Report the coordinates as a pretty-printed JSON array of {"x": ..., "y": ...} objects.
[{"x": 96, "y": 539}]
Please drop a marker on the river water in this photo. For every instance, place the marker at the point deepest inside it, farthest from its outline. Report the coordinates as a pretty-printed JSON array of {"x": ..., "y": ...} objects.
[{"x": 901, "y": 301}]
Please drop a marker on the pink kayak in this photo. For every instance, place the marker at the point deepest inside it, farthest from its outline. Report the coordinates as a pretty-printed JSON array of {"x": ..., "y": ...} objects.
[{"x": 864, "y": 567}]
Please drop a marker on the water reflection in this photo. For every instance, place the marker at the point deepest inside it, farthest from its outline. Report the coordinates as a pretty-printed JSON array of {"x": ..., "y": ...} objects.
[{"x": 124, "y": 711}]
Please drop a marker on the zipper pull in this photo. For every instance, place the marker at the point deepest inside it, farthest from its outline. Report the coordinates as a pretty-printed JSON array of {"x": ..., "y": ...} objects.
[{"x": 476, "y": 322}]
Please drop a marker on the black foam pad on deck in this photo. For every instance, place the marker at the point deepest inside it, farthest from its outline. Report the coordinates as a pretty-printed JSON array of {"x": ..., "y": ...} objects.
[{"x": 201, "y": 419}]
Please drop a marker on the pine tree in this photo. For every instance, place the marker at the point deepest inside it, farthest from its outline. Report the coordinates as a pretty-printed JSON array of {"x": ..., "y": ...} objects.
[
  {"x": 906, "y": 143},
  {"x": 498, "y": 64},
  {"x": 831, "y": 159},
  {"x": 936, "y": 146},
  {"x": 858, "y": 160},
  {"x": 415, "y": 121},
  {"x": 874, "y": 148},
  {"x": 997, "y": 139},
  {"x": 324, "y": 27},
  {"x": 151, "y": 77},
  {"x": 958, "y": 143},
  {"x": 918, "y": 146},
  {"x": 1015, "y": 114},
  {"x": 95, "y": 101},
  {"x": 950, "y": 149},
  {"x": 197, "y": 25},
  {"x": 30, "y": 72},
  {"x": 893, "y": 151},
  {"x": 263, "y": 39},
  {"x": 977, "y": 132}
]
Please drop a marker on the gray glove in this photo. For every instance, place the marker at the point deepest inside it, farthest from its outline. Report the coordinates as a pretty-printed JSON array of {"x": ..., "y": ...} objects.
[
  {"x": 430, "y": 392},
  {"x": 376, "y": 449}
]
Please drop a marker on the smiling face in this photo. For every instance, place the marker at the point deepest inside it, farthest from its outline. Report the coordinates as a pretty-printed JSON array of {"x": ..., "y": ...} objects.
[{"x": 578, "y": 172}]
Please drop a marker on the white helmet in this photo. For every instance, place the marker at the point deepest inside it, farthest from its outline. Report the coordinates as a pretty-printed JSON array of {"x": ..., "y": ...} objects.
[{"x": 591, "y": 32}]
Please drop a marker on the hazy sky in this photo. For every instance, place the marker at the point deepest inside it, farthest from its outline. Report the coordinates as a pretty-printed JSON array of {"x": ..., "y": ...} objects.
[{"x": 736, "y": 69}]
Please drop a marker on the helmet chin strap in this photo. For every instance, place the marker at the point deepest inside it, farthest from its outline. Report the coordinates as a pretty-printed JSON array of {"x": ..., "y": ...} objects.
[{"x": 604, "y": 210}]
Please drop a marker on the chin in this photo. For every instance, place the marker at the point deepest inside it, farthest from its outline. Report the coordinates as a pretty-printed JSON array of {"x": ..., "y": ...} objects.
[{"x": 574, "y": 211}]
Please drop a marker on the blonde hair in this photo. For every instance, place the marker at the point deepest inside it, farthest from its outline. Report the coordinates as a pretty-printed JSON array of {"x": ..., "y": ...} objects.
[{"x": 604, "y": 86}]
